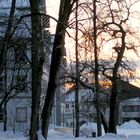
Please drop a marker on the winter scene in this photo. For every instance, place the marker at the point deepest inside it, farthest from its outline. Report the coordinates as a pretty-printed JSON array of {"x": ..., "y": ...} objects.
[{"x": 69, "y": 69}]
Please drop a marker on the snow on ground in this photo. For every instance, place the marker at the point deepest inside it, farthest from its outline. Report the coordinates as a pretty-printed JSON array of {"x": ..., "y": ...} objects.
[
  {"x": 130, "y": 125},
  {"x": 129, "y": 128},
  {"x": 8, "y": 135},
  {"x": 127, "y": 131}
]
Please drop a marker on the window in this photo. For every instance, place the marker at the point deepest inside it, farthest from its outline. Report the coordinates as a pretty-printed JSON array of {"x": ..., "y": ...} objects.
[
  {"x": 21, "y": 83},
  {"x": 1, "y": 115},
  {"x": 45, "y": 21},
  {"x": 131, "y": 108},
  {"x": 21, "y": 114},
  {"x": 136, "y": 108},
  {"x": 20, "y": 56},
  {"x": 52, "y": 37},
  {"x": 126, "y": 119},
  {"x": 127, "y": 108},
  {"x": 67, "y": 105},
  {"x": 1, "y": 84},
  {"x": 129, "y": 119}
]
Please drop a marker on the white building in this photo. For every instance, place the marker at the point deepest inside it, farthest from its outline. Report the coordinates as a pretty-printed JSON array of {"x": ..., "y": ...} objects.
[
  {"x": 87, "y": 110},
  {"x": 130, "y": 110},
  {"x": 15, "y": 81},
  {"x": 128, "y": 105},
  {"x": 16, "y": 112}
]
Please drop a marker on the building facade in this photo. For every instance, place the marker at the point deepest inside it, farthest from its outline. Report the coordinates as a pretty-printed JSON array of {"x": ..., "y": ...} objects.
[
  {"x": 15, "y": 81},
  {"x": 16, "y": 77},
  {"x": 128, "y": 106},
  {"x": 86, "y": 106},
  {"x": 129, "y": 110}
]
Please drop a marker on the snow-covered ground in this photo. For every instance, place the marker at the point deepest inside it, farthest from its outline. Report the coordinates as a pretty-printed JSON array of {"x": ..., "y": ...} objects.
[{"x": 127, "y": 131}]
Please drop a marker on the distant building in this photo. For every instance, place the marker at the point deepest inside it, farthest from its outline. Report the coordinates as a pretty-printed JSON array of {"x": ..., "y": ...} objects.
[
  {"x": 87, "y": 109},
  {"x": 128, "y": 105},
  {"x": 129, "y": 110}
]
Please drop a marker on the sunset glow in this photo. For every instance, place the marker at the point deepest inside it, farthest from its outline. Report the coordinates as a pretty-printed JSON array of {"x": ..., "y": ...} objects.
[{"x": 106, "y": 47}]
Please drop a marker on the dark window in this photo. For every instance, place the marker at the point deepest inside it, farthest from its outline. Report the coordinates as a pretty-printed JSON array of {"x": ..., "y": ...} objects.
[
  {"x": 21, "y": 56},
  {"x": 136, "y": 108},
  {"x": 131, "y": 108},
  {"x": 67, "y": 105},
  {"x": 21, "y": 114},
  {"x": 21, "y": 83},
  {"x": 128, "y": 108},
  {"x": 1, "y": 84},
  {"x": 1, "y": 114},
  {"x": 45, "y": 21},
  {"x": 129, "y": 119},
  {"x": 137, "y": 119}
]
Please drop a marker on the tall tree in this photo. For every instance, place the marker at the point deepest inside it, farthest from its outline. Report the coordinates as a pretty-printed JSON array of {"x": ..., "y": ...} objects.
[
  {"x": 115, "y": 34},
  {"x": 58, "y": 49},
  {"x": 4, "y": 43},
  {"x": 114, "y": 91},
  {"x": 37, "y": 67},
  {"x": 77, "y": 74},
  {"x": 3, "y": 51},
  {"x": 112, "y": 31},
  {"x": 96, "y": 56}
]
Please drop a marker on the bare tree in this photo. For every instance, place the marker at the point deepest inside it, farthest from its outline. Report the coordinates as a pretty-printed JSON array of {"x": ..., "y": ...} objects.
[
  {"x": 58, "y": 49},
  {"x": 117, "y": 29},
  {"x": 96, "y": 56},
  {"x": 77, "y": 74},
  {"x": 112, "y": 32},
  {"x": 11, "y": 65},
  {"x": 7, "y": 36},
  {"x": 37, "y": 67}
]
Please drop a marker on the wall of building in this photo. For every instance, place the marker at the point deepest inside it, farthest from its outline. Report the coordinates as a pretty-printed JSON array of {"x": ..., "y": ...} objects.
[
  {"x": 129, "y": 110},
  {"x": 18, "y": 114}
]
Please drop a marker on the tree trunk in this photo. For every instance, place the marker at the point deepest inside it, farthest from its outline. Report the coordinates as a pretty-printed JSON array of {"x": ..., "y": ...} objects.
[
  {"x": 99, "y": 129},
  {"x": 4, "y": 43},
  {"x": 115, "y": 78},
  {"x": 112, "y": 120},
  {"x": 37, "y": 66},
  {"x": 5, "y": 116},
  {"x": 58, "y": 48},
  {"x": 105, "y": 125},
  {"x": 77, "y": 75}
]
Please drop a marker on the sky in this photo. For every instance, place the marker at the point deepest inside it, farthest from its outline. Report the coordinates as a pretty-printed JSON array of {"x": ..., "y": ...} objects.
[{"x": 53, "y": 8}]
